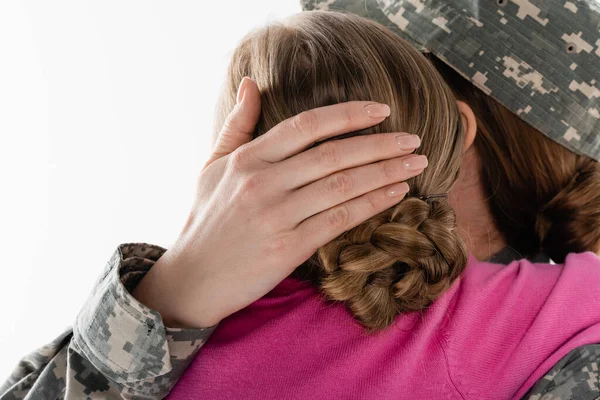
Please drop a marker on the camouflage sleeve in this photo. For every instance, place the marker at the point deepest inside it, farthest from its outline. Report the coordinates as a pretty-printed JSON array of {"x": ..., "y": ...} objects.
[
  {"x": 118, "y": 348},
  {"x": 574, "y": 377}
]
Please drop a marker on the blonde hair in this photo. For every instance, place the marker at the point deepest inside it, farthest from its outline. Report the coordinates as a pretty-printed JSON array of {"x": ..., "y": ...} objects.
[{"x": 405, "y": 257}]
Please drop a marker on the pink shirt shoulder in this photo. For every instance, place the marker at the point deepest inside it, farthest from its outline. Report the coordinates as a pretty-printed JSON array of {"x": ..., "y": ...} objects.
[
  {"x": 512, "y": 323},
  {"x": 492, "y": 335}
]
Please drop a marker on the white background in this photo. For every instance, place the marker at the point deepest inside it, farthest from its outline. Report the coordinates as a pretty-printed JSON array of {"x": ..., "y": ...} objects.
[{"x": 106, "y": 112}]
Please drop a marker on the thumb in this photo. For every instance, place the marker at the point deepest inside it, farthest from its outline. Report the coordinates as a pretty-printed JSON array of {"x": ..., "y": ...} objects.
[{"x": 240, "y": 123}]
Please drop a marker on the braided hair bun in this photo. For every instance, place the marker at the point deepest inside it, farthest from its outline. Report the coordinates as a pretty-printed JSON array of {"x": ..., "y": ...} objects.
[{"x": 399, "y": 261}]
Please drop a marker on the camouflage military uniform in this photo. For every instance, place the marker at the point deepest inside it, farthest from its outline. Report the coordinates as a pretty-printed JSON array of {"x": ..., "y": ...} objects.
[
  {"x": 117, "y": 348},
  {"x": 120, "y": 349},
  {"x": 537, "y": 57}
]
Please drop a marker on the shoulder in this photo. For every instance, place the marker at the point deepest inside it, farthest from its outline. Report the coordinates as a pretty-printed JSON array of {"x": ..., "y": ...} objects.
[
  {"x": 526, "y": 275},
  {"x": 522, "y": 317},
  {"x": 575, "y": 376},
  {"x": 522, "y": 292}
]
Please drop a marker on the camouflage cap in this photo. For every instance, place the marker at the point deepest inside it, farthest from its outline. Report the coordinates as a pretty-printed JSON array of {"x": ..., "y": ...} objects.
[{"x": 539, "y": 58}]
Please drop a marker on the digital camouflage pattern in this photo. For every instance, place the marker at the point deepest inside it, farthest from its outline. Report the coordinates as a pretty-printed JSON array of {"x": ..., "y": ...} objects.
[
  {"x": 539, "y": 58},
  {"x": 575, "y": 377},
  {"x": 118, "y": 348}
]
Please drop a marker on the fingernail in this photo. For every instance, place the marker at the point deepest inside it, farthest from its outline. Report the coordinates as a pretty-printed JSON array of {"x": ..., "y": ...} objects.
[
  {"x": 241, "y": 90},
  {"x": 415, "y": 162},
  {"x": 408, "y": 142},
  {"x": 377, "y": 110},
  {"x": 398, "y": 190}
]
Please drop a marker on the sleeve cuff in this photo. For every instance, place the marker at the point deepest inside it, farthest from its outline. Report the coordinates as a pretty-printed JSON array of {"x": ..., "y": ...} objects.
[{"x": 123, "y": 338}]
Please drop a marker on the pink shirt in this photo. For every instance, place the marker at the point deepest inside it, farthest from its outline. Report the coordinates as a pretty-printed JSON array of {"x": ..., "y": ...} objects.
[{"x": 492, "y": 335}]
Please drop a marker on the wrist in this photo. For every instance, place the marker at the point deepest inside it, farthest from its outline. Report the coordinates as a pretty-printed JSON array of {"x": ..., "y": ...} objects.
[{"x": 160, "y": 291}]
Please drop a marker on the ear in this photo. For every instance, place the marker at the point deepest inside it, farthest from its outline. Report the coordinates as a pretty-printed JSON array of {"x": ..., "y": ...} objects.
[{"x": 469, "y": 122}]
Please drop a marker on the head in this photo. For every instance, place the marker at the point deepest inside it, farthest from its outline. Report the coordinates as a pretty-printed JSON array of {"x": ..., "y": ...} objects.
[
  {"x": 542, "y": 197},
  {"x": 517, "y": 187},
  {"x": 407, "y": 256}
]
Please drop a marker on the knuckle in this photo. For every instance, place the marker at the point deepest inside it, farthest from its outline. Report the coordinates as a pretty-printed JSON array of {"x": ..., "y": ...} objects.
[
  {"x": 328, "y": 154},
  {"x": 389, "y": 169},
  {"x": 372, "y": 202},
  {"x": 306, "y": 122},
  {"x": 340, "y": 183},
  {"x": 238, "y": 158},
  {"x": 226, "y": 125},
  {"x": 339, "y": 217},
  {"x": 348, "y": 119},
  {"x": 251, "y": 186}
]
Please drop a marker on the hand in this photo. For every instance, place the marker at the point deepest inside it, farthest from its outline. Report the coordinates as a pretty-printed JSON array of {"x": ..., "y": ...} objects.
[{"x": 264, "y": 206}]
